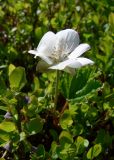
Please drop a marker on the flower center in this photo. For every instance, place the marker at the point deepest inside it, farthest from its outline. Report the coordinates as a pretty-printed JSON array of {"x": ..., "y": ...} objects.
[{"x": 59, "y": 53}]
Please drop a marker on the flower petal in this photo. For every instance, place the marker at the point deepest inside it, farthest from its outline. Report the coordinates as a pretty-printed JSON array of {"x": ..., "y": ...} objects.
[
  {"x": 72, "y": 63},
  {"x": 42, "y": 56},
  {"x": 46, "y": 59},
  {"x": 84, "y": 61},
  {"x": 47, "y": 43},
  {"x": 67, "y": 40},
  {"x": 79, "y": 50},
  {"x": 68, "y": 63},
  {"x": 32, "y": 52}
]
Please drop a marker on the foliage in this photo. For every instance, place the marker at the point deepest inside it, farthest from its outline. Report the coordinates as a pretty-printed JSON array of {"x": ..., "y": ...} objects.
[{"x": 81, "y": 127}]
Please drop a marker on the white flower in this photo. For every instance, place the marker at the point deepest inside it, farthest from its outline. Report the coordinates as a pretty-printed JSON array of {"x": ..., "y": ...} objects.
[{"x": 62, "y": 51}]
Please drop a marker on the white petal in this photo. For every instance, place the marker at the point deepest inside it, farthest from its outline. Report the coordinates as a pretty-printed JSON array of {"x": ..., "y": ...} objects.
[
  {"x": 79, "y": 50},
  {"x": 75, "y": 64},
  {"x": 84, "y": 61},
  {"x": 72, "y": 63},
  {"x": 60, "y": 66},
  {"x": 68, "y": 63},
  {"x": 46, "y": 59},
  {"x": 47, "y": 43},
  {"x": 32, "y": 52},
  {"x": 41, "y": 55},
  {"x": 63, "y": 66},
  {"x": 67, "y": 40}
]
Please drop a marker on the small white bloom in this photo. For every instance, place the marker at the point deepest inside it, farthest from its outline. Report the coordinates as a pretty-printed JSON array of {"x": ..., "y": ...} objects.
[{"x": 62, "y": 51}]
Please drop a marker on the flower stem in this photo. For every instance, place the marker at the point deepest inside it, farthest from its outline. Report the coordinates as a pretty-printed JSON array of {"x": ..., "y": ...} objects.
[{"x": 56, "y": 87}]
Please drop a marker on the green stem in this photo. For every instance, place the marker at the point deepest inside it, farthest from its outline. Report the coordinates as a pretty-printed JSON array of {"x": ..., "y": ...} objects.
[{"x": 56, "y": 87}]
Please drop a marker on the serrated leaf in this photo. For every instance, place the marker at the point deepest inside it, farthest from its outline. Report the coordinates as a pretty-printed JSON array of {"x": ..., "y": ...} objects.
[
  {"x": 89, "y": 87},
  {"x": 78, "y": 82}
]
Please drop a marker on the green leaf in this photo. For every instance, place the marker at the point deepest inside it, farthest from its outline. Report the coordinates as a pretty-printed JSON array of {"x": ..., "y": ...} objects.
[
  {"x": 66, "y": 120},
  {"x": 65, "y": 84},
  {"x": 92, "y": 113},
  {"x": 53, "y": 151},
  {"x": 34, "y": 126},
  {"x": 89, "y": 87},
  {"x": 65, "y": 138},
  {"x": 36, "y": 84},
  {"x": 84, "y": 107},
  {"x": 4, "y": 108},
  {"x": 2, "y": 86},
  {"x": 4, "y": 135},
  {"x": 17, "y": 78},
  {"x": 53, "y": 134},
  {"x": 7, "y": 126},
  {"x": 2, "y": 13},
  {"x": 78, "y": 129},
  {"x": 2, "y": 142},
  {"x": 111, "y": 20},
  {"x": 81, "y": 144},
  {"x": 78, "y": 82},
  {"x": 94, "y": 151},
  {"x": 104, "y": 138},
  {"x": 38, "y": 32},
  {"x": 41, "y": 151},
  {"x": 22, "y": 136},
  {"x": 83, "y": 83},
  {"x": 10, "y": 69}
]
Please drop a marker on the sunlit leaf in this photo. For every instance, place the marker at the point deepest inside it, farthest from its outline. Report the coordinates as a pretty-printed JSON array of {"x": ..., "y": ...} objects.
[
  {"x": 7, "y": 126},
  {"x": 11, "y": 68},
  {"x": 94, "y": 151},
  {"x": 81, "y": 144},
  {"x": 66, "y": 120},
  {"x": 17, "y": 78},
  {"x": 65, "y": 138}
]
